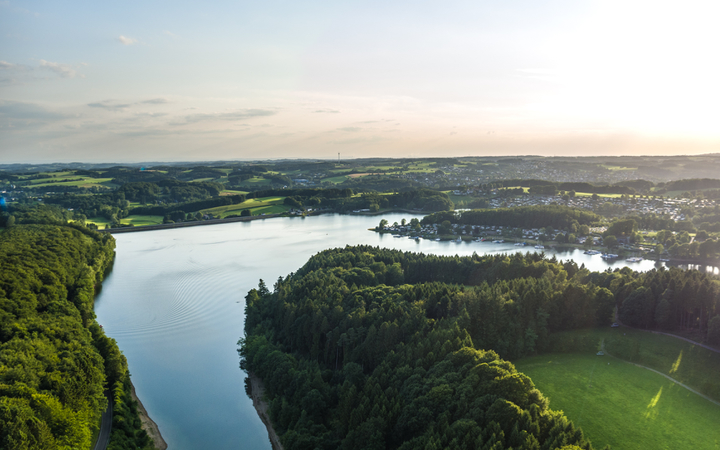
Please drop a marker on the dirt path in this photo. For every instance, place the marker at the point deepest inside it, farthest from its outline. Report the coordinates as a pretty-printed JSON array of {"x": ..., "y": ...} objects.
[
  {"x": 148, "y": 425},
  {"x": 261, "y": 406},
  {"x": 668, "y": 377},
  {"x": 684, "y": 339}
]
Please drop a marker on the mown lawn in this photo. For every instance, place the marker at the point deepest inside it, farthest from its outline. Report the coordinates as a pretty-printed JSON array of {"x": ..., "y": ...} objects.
[{"x": 623, "y": 405}]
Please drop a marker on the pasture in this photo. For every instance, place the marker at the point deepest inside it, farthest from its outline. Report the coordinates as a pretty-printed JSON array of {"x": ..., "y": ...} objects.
[
  {"x": 263, "y": 205},
  {"x": 623, "y": 405},
  {"x": 688, "y": 363}
]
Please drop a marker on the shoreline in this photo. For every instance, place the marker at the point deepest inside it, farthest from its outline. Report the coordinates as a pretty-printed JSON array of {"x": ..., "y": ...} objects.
[
  {"x": 148, "y": 424},
  {"x": 257, "y": 390},
  {"x": 196, "y": 223}
]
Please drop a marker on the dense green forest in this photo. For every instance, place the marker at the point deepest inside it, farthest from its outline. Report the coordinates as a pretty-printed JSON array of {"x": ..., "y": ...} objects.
[
  {"x": 372, "y": 348},
  {"x": 56, "y": 363}
]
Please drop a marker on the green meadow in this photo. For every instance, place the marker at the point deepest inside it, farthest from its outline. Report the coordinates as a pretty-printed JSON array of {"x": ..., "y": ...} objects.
[
  {"x": 589, "y": 194},
  {"x": 623, "y": 405},
  {"x": 263, "y": 205},
  {"x": 616, "y": 168},
  {"x": 85, "y": 182},
  {"x": 136, "y": 220},
  {"x": 336, "y": 180},
  {"x": 693, "y": 365}
]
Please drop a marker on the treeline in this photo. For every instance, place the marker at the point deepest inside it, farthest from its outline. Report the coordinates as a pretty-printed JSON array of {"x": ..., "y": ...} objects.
[
  {"x": 167, "y": 193},
  {"x": 553, "y": 187},
  {"x": 632, "y": 187},
  {"x": 372, "y": 348},
  {"x": 344, "y": 201},
  {"x": 55, "y": 360},
  {"x": 189, "y": 207},
  {"x": 556, "y": 216},
  {"x": 670, "y": 300}
]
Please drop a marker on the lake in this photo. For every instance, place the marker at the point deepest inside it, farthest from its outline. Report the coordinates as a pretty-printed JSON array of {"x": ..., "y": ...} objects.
[{"x": 175, "y": 301}]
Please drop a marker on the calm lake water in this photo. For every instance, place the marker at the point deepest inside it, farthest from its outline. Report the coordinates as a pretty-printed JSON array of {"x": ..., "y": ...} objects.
[{"x": 175, "y": 302}]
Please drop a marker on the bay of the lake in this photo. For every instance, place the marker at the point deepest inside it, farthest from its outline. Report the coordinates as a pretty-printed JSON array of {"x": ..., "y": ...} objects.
[{"x": 175, "y": 301}]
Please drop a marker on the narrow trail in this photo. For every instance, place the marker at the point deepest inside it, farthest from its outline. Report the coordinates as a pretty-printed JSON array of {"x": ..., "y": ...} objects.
[
  {"x": 680, "y": 337},
  {"x": 668, "y": 377},
  {"x": 707, "y": 347}
]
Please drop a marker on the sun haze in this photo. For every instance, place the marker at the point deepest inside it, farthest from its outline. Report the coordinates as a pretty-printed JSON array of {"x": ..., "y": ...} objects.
[{"x": 132, "y": 81}]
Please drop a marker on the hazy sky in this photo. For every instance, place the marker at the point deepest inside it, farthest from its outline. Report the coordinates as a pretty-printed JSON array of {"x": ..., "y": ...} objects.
[{"x": 175, "y": 80}]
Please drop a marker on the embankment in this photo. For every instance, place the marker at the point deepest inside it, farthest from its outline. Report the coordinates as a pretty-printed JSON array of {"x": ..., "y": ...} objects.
[
  {"x": 261, "y": 407},
  {"x": 148, "y": 424}
]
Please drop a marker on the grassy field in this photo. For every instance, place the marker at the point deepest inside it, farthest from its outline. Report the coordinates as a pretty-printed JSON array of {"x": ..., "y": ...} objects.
[
  {"x": 137, "y": 220},
  {"x": 336, "y": 180},
  {"x": 615, "y": 168},
  {"x": 263, "y": 205},
  {"x": 85, "y": 182},
  {"x": 588, "y": 194},
  {"x": 695, "y": 366},
  {"x": 623, "y": 405}
]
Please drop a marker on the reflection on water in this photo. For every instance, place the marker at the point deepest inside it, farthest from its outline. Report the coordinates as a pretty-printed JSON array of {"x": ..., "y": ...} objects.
[
  {"x": 701, "y": 267},
  {"x": 175, "y": 301}
]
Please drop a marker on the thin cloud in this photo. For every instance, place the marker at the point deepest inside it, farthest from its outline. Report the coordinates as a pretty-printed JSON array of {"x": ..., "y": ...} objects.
[
  {"x": 127, "y": 40},
  {"x": 327, "y": 111},
  {"x": 115, "y": 106},
  {"x": 20, "y": 115},
  {"x": 242, "y": 114},
  {"x": 171, "y": 34},
  {"x": 350, "y": 129},
  {"x": 108, "y": 104},
  {"x": 155, "y": 101},
  {"x": 360, "y": 140},
  {"x": 4, "y": 65},
  {"x": 64, "y": 70}
]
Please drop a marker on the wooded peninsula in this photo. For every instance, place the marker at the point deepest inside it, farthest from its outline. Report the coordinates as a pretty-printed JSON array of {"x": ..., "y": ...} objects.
[{"x": 371, "y": 348}]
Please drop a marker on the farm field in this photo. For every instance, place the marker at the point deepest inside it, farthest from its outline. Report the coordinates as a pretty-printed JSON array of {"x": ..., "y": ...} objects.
[
  {"x": 136, "y": 220},
  {"x": 336, "y": 180},
  {"x": 85, "y": 182},
  {"x": 588, "y": 194},
  {"x": 623, "y": 405},
  {"x": 263, "y": 205}
]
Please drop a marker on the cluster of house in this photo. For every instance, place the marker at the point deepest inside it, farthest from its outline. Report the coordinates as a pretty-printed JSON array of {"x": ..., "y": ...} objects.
[
  {"x": 474, "y": 230},
  {"x": 672, "y": 208}
]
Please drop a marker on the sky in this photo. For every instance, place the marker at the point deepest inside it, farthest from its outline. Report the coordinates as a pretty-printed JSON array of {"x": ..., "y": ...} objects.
[{"x": 180, "y": 81}]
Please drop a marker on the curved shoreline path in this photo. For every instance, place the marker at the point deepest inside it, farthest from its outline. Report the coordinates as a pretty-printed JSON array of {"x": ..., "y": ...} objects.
[{"x": 103, "y": 438}]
